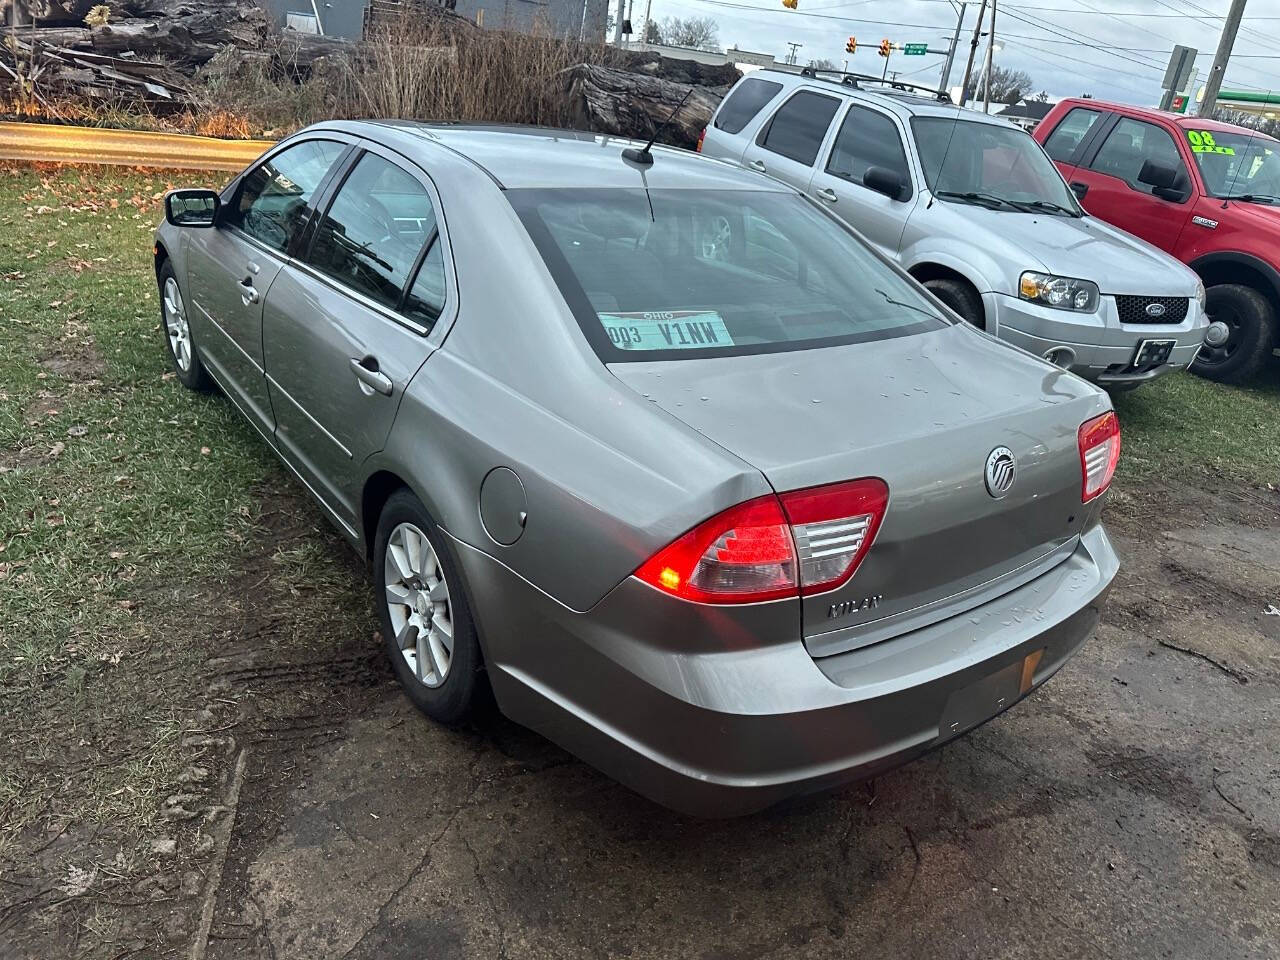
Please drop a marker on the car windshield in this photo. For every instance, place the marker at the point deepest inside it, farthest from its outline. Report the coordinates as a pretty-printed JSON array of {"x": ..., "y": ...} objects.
[
  {"x": 985, "y": 164},
  {"x": 670, "y": 274},
  {"x": 1237, "y": 164}
]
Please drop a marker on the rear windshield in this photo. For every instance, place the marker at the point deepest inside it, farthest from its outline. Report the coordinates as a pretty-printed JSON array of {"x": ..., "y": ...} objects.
[
  {"x": 743, "y": 103},
  {"x": 669, "y": 274}
]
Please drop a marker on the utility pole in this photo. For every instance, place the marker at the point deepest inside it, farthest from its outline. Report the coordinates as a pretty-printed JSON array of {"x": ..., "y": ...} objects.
[
  {"x": 644, "y": 37},
  {"x": 991, "y": 46},
  {"x": 617, "y": 26},
  {"x": 973, "y": 52},
  {"x": 1225, "y": 43},
  {"x": 951, "y": 53},
  {"x": 791, "y": 55}
]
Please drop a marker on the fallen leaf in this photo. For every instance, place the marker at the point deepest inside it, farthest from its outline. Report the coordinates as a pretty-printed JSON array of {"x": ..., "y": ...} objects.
[{"x": 79, "y": 430}]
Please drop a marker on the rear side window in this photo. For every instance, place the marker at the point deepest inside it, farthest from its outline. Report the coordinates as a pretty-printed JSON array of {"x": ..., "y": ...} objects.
[
  {"x": 798, "y": 128},
  {"x": 743, "y": 103},
  {"x": 1070, "y": 133},
  {"x": 1129, "y": 145},
  {"x": 867, "y": 139},
  {"x": 373, "y": 231},
  {"x": 274, "y": 200}
]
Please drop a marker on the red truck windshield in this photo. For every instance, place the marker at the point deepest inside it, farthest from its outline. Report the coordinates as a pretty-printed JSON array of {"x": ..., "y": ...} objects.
[{"x": 1237, "y": 164}]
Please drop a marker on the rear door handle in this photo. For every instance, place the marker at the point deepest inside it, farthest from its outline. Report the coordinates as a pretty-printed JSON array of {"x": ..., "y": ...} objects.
[
  {"x": 827, "y": 194},
  {"x": 756, "y": 165},
  {"x": 367, "y": 372},
  {"x": 1079, "y": 189}
]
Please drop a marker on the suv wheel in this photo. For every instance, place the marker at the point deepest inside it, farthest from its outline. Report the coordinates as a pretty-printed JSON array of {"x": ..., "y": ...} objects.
[
  {"x": 1252, "y": 324},
  {"x": 961, "y": 298}
]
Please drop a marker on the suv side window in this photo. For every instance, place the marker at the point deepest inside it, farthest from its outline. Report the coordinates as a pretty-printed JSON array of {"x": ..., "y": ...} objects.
[
  {"x": 747, "y": 99},
  {"x": 374, "y": 229},
  {"x": 798, "y": 128},
  {"x": 1131, "y": 143},
  {"x": 867, "y": 139},
  {"x": 273, "y": 203},
  {"x": 1070, "y": 133}
]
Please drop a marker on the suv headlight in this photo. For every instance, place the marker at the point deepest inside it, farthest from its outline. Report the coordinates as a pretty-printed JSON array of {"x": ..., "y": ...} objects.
[
  {"x": 1064, "y": 293},
  {"x": 1201, "y": 297}
]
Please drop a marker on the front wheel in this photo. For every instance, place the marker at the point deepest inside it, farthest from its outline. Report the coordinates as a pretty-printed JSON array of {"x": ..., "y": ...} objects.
[
  {"x": 176, "y": 326},
  {"x": 1251, "y": 326},
  {"x": 426, "y": 623},
  {"x": 961, "y": 298}
]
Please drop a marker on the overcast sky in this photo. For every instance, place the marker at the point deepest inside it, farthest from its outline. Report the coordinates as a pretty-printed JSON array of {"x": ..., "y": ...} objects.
[{"x": 1056, "y": 41}]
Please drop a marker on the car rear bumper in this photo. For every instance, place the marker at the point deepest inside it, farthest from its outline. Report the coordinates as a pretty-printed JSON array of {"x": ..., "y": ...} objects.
[
  {"x": 718, "y": 711},
  {"x": 1101, "y": 348}
]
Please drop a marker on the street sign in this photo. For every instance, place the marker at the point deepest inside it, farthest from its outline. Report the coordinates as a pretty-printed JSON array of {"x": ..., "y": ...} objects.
[
  {"x": 915, "y": 49},
  {"x": 1181, "y": 62}
]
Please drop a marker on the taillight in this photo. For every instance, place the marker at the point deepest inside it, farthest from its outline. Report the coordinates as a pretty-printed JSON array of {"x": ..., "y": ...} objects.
[
  {"x": 1099, "y": 454},
  {"x": 805, "y": 541},
  {"x": 702, "y": 136}
]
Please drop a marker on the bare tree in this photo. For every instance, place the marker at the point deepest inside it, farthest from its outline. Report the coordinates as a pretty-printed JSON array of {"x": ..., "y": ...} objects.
[
  {"x": 699, "y": 33},
  {"x": 822, "y": 63},
  {"x": 1007, "y": 86}
]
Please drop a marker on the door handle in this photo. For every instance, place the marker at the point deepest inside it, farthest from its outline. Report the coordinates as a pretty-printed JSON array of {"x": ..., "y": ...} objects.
[
  {"x": 367, "y": 372},
  {"x": 756, "y": 165},
  {"x": 248, "y": 292},
  {"x": 827, "y": 194},
  {"x": 1079, "y": 189}
]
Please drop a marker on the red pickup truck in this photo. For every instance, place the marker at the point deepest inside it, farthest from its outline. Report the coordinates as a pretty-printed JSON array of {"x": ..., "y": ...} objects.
[{"x": 1206, "y": 192}]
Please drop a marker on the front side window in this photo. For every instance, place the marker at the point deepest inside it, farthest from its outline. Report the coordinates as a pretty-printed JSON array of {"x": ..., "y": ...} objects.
[
  {"x": 1070, "y": 133},
  {"x": 671, "y": 274},
  {"x": 372, "y": 233},
  {"x": 1237, "y": 164},
  {"x": 1129, "y": 145},
  {"x": 799, "y": 127},
  {"x": 273, "y": 203},
  {"x": 743, "y": 103},
  {"x": 990, "y": 165},
  {"x": 867, "y": 139}
]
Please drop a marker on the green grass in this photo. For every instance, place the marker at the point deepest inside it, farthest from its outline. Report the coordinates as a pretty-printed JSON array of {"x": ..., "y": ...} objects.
[{"x": 1183, "y": 426}]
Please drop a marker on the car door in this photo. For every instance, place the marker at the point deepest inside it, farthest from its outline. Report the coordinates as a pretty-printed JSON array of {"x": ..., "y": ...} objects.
[
  {"x": 1110, "y": 172},
  {"x": 345, "y": 329},
  {"x": 1072, "y": 137},
  {"x": 789, "y": 142},
  {"x": 231, "y": 268},
  {"x": 866, "y": 138}
]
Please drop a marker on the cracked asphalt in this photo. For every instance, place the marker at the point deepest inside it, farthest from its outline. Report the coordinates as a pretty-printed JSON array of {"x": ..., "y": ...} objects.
[{"x": 1129, "y": 809}]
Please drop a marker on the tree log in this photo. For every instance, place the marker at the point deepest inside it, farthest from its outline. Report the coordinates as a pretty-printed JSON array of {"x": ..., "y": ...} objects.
[
  {"x": 635, "y": 105},
  {"x": 191, "y": 35}
]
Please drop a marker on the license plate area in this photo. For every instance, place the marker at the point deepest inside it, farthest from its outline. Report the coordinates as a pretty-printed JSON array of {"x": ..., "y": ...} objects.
[
  {"x": 982, "y": 700},
  {"x": 1150, "y": 354}
]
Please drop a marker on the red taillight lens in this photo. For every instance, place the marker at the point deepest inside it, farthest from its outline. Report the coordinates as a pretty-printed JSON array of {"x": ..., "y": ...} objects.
[
  {"x": 1099, "y": 454},
  {"x": 702, "y": 136},
  {"x": 804, "y": 542}
]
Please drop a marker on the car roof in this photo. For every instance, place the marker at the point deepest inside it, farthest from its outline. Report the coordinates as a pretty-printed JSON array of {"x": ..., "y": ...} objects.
[
  {"x": 906, "y": 103},
  {"x": 1177, "y": 119},
  {"x": 517, "y": 156}
]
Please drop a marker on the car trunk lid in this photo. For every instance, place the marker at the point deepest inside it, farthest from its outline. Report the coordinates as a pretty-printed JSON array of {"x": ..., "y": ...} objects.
[{"x": 923, "y": 413}]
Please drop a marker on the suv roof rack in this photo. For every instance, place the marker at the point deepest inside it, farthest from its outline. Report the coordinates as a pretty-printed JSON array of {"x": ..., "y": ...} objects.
[{"x": 856, "y": 80}]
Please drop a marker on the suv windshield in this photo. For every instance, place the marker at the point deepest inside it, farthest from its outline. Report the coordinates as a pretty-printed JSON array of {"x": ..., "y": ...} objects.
[
  {"x": 670, "y": 274},
  {"x": 968, "y": 161},
  {"x": 1237, "y": 164}
]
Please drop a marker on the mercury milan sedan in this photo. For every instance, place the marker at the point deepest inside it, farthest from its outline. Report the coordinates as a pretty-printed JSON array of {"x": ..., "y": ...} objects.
[{"x": 701, "y": 487}]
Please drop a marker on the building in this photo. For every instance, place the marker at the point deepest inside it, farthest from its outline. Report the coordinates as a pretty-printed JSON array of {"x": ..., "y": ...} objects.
[
  {"x": 1025, "y": 113},
  {"x": 742, "y": 59},
  {"x": 580, "y": 19}
]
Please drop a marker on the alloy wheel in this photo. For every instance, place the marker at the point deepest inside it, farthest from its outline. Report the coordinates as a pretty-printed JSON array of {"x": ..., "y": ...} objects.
[
  {"x": 1212, "y": 356},
  {"x": 417, "y": 598},
  {"x": 175, "y": 325}
]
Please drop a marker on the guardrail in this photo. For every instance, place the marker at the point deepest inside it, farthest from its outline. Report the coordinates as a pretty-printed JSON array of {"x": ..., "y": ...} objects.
[{"x": 66, "y": 144}]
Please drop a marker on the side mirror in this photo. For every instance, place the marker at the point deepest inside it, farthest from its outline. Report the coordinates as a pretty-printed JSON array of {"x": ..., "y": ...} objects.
[
  {"x": 192, "y": 208},
  {"x": 883, "y": 180},
  {"x": 1157, "y": 175}
]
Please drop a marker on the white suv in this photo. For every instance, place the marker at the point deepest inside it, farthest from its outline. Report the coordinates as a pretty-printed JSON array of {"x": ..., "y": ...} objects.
[{"x": 973, "y": 208}]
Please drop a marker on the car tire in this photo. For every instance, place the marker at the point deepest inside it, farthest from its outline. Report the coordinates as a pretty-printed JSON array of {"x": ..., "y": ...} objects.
[
  {"x": 175, "y": 327},
  {"x": 431, "y": 613},
  {"x": 1253, "y": 334},
  {"x": 961, "y": 298}
]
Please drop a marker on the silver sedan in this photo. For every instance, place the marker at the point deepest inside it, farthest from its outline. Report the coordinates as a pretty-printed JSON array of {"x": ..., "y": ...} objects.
[{"x": 697, "y": 484}]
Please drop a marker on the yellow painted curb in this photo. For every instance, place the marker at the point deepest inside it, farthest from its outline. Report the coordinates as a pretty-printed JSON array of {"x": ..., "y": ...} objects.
[{"x": 53, "y": 142}]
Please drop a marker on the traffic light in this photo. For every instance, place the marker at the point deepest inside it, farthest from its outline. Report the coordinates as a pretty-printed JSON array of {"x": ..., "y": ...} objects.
[
  {"x": 885, "y": 48},
  {"x": 791, "y": 4},
  {"x": 851, "y": 46}
]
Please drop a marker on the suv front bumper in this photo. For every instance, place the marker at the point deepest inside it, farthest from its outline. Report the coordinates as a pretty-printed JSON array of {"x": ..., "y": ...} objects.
[{"x": 1101, "y": 348}]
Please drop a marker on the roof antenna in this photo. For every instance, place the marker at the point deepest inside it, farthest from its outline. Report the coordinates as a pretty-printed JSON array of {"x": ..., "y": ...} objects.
[{"x": 643, "y": 156}]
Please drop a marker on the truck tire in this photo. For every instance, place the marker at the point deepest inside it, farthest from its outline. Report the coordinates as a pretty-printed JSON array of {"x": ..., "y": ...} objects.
[
  {"x": 961, "y": 298},
  {"x": 1253, "y": 334}
]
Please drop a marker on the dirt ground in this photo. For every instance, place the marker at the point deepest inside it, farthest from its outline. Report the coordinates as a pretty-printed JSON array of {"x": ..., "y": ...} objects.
[{"x": 1131, "y": 808}]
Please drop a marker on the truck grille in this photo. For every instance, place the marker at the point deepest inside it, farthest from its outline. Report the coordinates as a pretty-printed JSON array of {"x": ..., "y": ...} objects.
[{"x": 1134, "y": 309}]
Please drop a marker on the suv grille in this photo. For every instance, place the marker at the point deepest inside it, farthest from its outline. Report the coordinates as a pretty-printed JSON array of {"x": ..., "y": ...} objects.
[{"x": 1134, "y": 309}]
